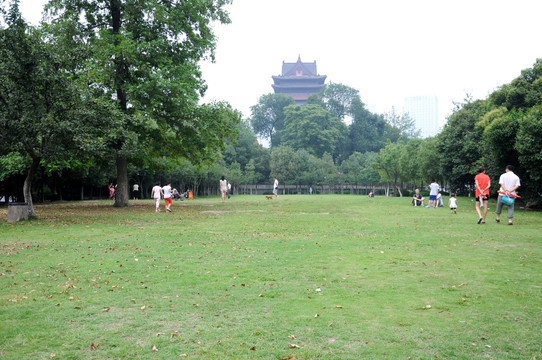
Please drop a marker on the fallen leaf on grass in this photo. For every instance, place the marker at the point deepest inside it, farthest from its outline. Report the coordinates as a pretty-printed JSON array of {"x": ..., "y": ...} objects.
[
  {"x": 339, "y": 306},
  {"x": 292, "y": 337},
  {"x": 253, "y": 348},
  {"x": 93, "y": 346},
  {"x": 316, "y": 315},
  {"x": 294, "y": 346},
  {"x": 52, "y": 355},
  {"x": 154, "y": 348},
  {"x": 159, "y": 334},
  {"x": 106, "y": 310},
  {"x": 185, "y": 355},
  {"x": 172, "y": 335}
]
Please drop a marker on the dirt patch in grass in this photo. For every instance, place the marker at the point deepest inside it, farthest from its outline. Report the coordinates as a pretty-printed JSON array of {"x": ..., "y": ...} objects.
[
  {"x": 227, "y": 211},
  {"x": 13, "y": 248}
]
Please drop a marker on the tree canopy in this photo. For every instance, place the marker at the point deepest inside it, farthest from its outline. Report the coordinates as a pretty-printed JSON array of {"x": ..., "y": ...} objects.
[{"x": 144, "y": 55}]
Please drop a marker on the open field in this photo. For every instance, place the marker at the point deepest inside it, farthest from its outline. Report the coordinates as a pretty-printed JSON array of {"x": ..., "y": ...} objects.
[{"x": 298, "y": 277}]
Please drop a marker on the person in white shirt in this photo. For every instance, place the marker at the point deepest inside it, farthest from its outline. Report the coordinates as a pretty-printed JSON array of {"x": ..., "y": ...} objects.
[
  {"x": 509, "y": 184},
  {"x": 157, "y": 194},
  {"x": 276, "y": 188},
  {"x": 166, "y": 190},
  {"x": 433, "y": 194},
  {"x": 136, "y": 191},
  {"x": 223, "y": 188},
  {"x": 452, "y": 202}
]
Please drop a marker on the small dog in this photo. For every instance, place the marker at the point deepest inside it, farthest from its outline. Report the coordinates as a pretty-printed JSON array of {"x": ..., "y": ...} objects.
[{"x": 269, "y": 197}]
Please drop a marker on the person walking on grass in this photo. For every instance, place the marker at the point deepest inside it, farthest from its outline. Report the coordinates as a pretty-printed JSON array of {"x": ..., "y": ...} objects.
[
  {"x": 452, "y": 203},
  {"x": 276, "y": 188},
  {"x": 157, "y": 194},
  {"x": 166, "y": 191},
  {"x": 434, "y": 190},
  {"x": 223, "y": 188},
  {"x": 482, "y": 184},
  {"x": 509, "y": 184}
]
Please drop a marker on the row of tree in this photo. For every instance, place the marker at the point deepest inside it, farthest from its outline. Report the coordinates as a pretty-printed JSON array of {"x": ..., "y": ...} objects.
[
  {"x": 103, "y": 92},
  {"x": 104, "y": 82},
  {"x": 321, "y": 127},
  {"x": 311, "y": 144}
]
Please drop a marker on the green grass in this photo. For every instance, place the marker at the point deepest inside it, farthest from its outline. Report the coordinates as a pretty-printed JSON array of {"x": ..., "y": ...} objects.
[{"x": 238, "y": 281}]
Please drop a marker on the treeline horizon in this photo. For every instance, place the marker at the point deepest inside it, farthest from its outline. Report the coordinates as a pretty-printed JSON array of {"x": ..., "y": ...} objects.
[{"x": 78, "y": 116}]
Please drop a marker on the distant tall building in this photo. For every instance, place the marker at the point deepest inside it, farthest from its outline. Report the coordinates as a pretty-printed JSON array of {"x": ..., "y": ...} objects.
[
  {"x": 424, "y": 111},
  {"x": 298, "y": 80}
]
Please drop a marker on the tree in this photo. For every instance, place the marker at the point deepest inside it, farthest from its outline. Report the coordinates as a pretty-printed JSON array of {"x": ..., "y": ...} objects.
[
  {"x": 400, "y": 126},
  {"x": 311, "y": 127},
  {"x": 529, "y": 147},
  {"x": 388, "y": 163},
  {"x": 44, "y": 114},
  {"x": 268, "y": 116},
  {"x": 428, "y": 160},
  {"x": 242, "y": 148},
  {"x": 338, "y": 99},
  {"x": 461, "y": 145},
  {"x": 250, "y": 172},
  {"x": 366, "y": 131},
  {"x": 411, "y": 172},
  {"x": 262, "y": 164},
  {"x": 143, "y": 55},
  {"x": 284, "y": 164}
]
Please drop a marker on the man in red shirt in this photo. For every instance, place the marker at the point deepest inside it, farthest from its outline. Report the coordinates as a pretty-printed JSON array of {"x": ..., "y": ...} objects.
[{"x": 482, "y": 183}]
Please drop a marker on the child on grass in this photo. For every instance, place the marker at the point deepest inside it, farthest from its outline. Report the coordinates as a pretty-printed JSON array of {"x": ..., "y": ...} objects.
[{"x": 452, "y": 203}]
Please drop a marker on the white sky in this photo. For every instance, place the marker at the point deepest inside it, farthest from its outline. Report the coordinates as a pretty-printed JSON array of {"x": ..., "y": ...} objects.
[{"x": 386, "y": 49}]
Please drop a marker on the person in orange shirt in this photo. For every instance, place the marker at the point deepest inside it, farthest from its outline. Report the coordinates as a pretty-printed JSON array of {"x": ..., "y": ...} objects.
[{"x": 482, "y": 183}]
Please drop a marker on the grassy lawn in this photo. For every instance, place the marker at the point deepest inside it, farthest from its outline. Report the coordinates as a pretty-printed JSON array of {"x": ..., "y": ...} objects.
[{"x": 298, "y": 277}]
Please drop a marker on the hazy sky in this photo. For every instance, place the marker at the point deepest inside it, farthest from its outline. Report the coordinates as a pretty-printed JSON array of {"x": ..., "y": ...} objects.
[{"x": 387, "y": 49}]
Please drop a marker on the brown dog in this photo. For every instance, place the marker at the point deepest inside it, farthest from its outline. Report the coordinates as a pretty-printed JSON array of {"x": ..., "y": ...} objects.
[{"x": 269, "y": 197}]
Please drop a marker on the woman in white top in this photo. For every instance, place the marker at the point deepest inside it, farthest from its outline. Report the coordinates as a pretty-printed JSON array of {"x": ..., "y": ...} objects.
[
  {"x": 157, "y": 194},
  {"x": 223, "y": 188}
]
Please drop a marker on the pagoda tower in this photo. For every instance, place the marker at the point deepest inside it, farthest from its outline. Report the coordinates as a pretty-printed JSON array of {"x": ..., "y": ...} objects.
[{"x": 298, "y": 80}]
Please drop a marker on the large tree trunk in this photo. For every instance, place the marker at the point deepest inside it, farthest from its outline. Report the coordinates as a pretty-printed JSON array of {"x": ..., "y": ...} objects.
[
  {"x": 122, "y": 193},
  {"x": 27, "y": 187}
]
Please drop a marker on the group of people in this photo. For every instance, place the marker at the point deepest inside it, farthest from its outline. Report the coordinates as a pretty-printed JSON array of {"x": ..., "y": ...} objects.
[
  {"x": 225, "y": 188},
  {"x": 166, "y": 193},
  {"x": 508, "y": 181}
]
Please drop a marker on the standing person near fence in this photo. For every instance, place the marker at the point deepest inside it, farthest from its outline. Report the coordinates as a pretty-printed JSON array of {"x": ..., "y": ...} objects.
[
  {"x": 223, "y": 187},
  {"x": 482, "y": 183},
  {"x": 276, "y": 188},
  {"x": 509, "y": 184},
  {"x": 166, "y": 191},
  {"x": 157, "y": 194}
]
